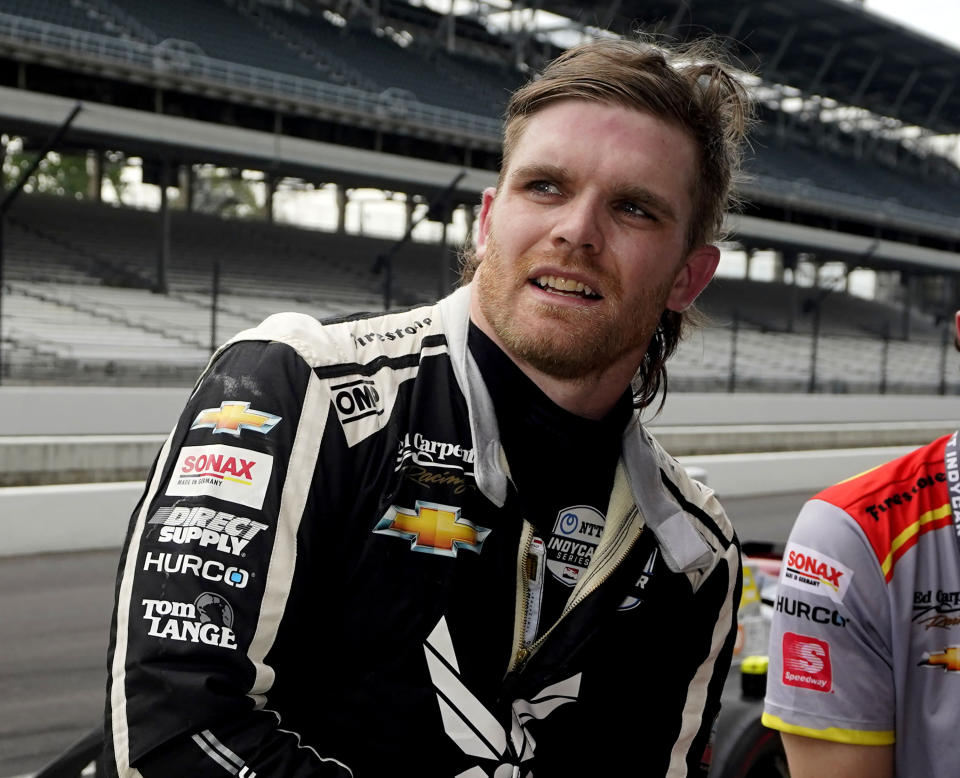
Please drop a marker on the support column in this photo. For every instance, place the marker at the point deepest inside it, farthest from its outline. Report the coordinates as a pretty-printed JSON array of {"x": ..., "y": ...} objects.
[
  {"x": 410, "y": 207},
  {"x": 908, "y": 281},
  {"x": 271, "y": 185},
  {"x": 343, "y": 198},
  {"x": 470, "y": 219},
  {"x": 163, "y": 244},
  {"x": 185, "y": 181},
  {"x": 95, "y": 169},
  {"x": 778, "y": 267},
  {"x": 790, "y": 262}
]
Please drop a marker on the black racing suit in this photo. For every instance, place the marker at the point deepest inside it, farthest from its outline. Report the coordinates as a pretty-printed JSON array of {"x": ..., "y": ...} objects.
[{"x": 328, "y": 574}]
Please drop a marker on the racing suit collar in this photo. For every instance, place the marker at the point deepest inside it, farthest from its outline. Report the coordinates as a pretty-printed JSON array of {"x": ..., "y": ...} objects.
[{"x": 683, "y": 547}]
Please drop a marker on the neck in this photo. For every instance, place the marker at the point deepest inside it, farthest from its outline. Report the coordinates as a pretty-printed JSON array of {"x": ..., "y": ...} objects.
[{"x": 592, "y": 396}]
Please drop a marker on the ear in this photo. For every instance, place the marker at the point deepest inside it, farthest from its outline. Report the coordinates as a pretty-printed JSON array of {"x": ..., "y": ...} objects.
[
  {"x": 957, "y": 321},
  {"x": 697, "y": 270},
  {"x": 486, "y": 214}
]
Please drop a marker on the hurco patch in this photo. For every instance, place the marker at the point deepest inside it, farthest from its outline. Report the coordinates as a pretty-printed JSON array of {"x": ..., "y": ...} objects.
[
  {"x": 432, "y": 528},
  {"x": 232, "y": 417},
  {"x": 237, "y": 475},
  {"x": 813, "y": 571}
]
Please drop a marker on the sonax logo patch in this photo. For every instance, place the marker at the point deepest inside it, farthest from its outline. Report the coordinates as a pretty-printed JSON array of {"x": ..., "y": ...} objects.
[
  {"x": 806, "y": 662},
  {"x": 238, "y": 475},
  {"x": 813, "y": 571}
]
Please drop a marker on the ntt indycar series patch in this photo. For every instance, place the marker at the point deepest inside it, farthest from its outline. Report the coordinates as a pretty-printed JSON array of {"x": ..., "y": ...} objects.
[{"x": 576, "y": 533}]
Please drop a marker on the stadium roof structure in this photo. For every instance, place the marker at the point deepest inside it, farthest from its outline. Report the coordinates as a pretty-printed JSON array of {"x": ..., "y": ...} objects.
[{"x": 821, "y": 47}]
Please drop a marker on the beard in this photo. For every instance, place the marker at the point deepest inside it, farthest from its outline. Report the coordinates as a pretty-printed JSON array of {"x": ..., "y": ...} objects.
[{"x": 559, "y": 340}]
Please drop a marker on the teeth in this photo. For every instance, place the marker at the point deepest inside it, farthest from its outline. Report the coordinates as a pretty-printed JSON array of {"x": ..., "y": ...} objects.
[{"x": 564, "y": 284}]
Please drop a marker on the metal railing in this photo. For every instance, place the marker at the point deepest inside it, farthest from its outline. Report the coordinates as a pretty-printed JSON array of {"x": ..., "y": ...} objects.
[{"x": 167, "y": 62}]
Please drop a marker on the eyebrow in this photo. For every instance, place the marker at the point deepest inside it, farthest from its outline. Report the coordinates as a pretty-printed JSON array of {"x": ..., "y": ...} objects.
[{"x": 624, "y": 191}]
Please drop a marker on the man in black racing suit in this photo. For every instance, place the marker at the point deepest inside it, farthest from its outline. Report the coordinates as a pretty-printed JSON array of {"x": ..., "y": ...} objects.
[{"x": 439, "y": 542}]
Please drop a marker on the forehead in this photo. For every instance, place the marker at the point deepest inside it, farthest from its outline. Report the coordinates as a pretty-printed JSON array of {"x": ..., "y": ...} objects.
[{"x": 608, "y": 142}]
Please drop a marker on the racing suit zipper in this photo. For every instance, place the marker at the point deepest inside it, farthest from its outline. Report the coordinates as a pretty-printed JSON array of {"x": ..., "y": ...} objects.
[
  {"x": 519, "y": 644},
  {"x": 522, "y": 652}
]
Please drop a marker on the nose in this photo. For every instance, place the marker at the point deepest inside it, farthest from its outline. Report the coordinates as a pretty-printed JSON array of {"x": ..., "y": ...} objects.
[{"x": 578, "y": 225}]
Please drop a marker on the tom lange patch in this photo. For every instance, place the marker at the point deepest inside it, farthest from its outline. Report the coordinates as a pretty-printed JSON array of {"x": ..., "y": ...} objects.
[
  {"x": 237, "y": 475},
  {"x": 813, "y": 571}
]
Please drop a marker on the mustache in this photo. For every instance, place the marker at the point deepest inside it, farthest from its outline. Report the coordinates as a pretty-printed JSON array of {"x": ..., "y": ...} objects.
[{"x": 601, "y": 281}]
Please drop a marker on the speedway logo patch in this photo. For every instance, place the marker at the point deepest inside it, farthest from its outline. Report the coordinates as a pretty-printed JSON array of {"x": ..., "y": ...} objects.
[
  {"x": 237, "y": 475},
  {"x": 813, "y": 571},
  {"x": 806, "y": 662}
]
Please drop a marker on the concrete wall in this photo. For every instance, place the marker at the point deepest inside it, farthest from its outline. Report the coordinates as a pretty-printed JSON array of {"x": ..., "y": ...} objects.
[
  {"x": 93, "y": 410},
  {"x": 124, "y": 411},
  {"x": 52, "y": 429}
]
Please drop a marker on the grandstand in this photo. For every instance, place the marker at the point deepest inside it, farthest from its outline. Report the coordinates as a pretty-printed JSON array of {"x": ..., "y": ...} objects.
[{"x": 403, "y": 98}]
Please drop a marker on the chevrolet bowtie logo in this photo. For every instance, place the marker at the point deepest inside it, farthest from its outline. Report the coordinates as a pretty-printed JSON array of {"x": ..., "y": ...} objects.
[
  {"x": 948, "y": 659},
  {"x": 432, "y": 528},
  {"x": 232, "y": 417}
]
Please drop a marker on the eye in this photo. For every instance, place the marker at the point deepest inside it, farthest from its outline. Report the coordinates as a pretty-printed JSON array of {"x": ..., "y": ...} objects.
[
  {"x": 632, "y": 209},
  {"x": 543, "y": 187}
]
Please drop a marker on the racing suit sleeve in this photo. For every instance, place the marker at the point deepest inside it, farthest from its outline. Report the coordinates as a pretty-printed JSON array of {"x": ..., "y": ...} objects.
[
  {"x": 206, "y": 574},
  {"x": 831, "y": 659}
]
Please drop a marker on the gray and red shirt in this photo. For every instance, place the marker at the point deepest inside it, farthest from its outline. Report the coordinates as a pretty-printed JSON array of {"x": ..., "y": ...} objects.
[{"x": 865, "y": 641}]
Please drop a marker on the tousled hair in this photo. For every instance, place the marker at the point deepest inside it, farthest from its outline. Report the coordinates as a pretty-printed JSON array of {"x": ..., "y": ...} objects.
[{"x": 688, "y": 87}]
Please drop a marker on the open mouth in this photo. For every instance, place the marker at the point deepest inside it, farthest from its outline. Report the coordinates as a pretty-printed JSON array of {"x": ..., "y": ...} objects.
[{"x": 566, "y": 287}]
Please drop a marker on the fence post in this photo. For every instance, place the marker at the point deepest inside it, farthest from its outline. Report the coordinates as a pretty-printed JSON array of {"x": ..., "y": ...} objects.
[
  {"x": 884, "y": 358},
  {"x": 214, "y": 297},
  {"x": 734, "y": 336},
  {"x": 812, "y": 384},
  {"x": 944, "y": 348}
]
